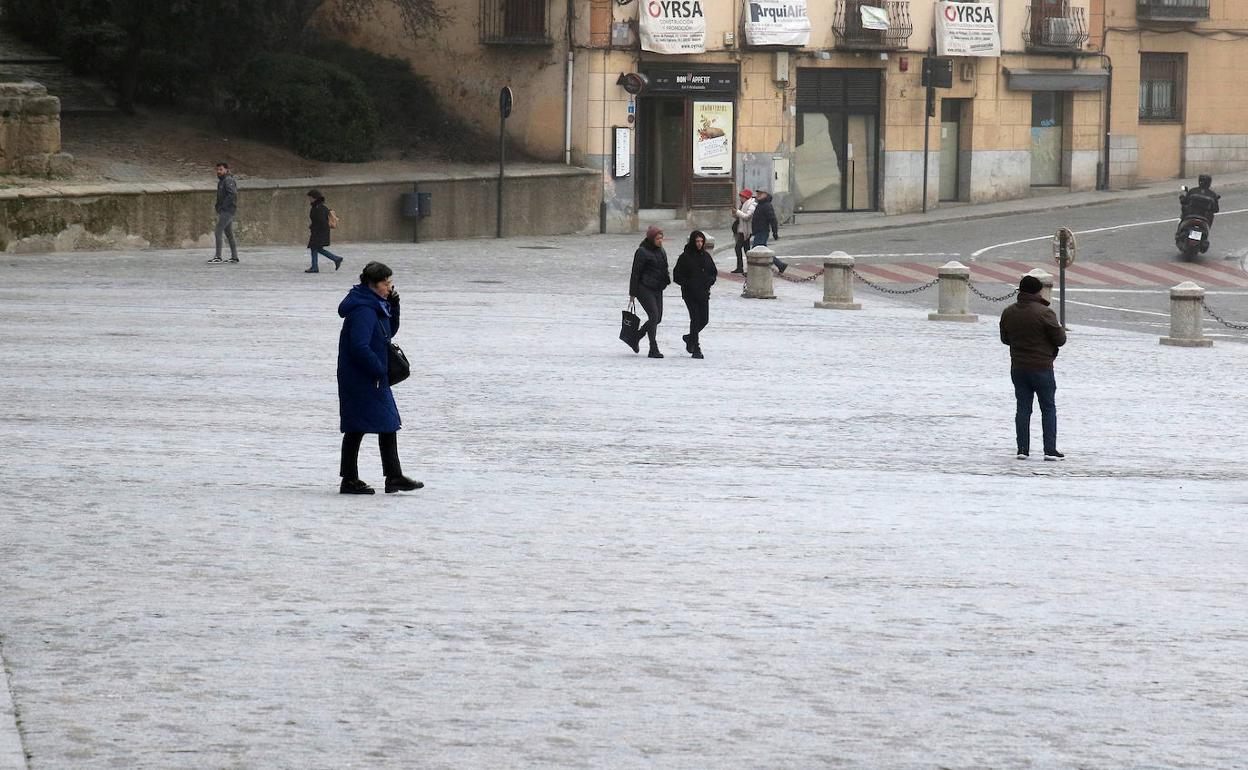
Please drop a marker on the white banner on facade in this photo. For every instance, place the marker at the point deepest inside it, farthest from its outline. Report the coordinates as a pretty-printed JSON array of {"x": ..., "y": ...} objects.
[
  {"x": 967, "y": 29},
  {"x": 712, "y": 138},
  {"x": 672, "y": 26},
  {"x": 776, "y": 22},
  {"x": 874, "y": 18}
]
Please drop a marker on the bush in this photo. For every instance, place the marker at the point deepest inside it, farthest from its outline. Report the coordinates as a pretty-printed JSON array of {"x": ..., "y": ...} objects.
[
  {"x": 409, "y": 108},
  {"x": 318, "y": 110}
]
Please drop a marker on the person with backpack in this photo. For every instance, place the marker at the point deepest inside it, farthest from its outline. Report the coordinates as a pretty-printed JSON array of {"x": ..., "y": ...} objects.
[{"x": 321, "y": 221}]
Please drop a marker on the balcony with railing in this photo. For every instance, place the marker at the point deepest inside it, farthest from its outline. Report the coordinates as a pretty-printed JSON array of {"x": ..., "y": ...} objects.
[
  {"x": 872, "y": 25},
  {"x": 514, "y": 22},
  {"x": 1054, "y": 27},
  {"x": 1184, "y": 11}
]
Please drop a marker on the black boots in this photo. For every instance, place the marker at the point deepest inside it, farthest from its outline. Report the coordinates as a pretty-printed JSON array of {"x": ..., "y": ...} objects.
[
  {"x": 654, "y": 351},
  {"x": 401, "y": 484},
  {"x": 355, "y": 487}
]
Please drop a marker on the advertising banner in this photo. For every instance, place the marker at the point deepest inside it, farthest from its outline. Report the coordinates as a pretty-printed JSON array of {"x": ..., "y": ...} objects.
[
  {"x": 967, "y": 29},
  {"x": 672, "y": 26},
  {"x": 712, "y": 138},
  {"x": 776, "y": 22}
]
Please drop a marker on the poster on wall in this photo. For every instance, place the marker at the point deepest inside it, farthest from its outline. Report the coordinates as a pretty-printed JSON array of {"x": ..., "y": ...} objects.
[
  {"x": 672, "y": 26},
  {"x": 776, "y": 22},
  {"x": 967, "y": 29},
  {"x": 623, "y": 151},
  {"x": 712, "y": 138}
]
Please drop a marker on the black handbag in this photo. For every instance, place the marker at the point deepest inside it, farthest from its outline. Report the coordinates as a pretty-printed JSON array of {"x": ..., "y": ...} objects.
[
  {"x": 400, "y": 367},
  {"x": 630, "y": 325}
]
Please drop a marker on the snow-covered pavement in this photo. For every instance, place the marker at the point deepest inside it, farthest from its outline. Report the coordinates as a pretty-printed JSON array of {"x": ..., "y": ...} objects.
[{"x": 814, "y": 548}]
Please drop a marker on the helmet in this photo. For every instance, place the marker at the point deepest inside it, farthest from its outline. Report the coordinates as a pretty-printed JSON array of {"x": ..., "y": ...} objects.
[{"x": 1205, "y": 180}]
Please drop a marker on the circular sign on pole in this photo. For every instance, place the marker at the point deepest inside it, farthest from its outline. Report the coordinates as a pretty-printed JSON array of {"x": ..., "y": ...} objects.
[
  {"x": 505, "y": 100},
  {"x": 1064, "y": 247}
]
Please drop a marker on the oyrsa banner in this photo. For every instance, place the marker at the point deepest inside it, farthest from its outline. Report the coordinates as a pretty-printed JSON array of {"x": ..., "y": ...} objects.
[
  {"x": 777, "y": 22},
  {"x": 966, "y": 29},
  {"x": 673, "y": 26}
]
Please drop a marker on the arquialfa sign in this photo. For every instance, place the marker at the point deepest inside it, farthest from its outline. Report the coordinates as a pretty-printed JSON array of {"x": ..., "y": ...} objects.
[
  {"x": 967, "y": 29},
  {"x": 776, "y": 22},
  {"x": 672, "y": 26}
]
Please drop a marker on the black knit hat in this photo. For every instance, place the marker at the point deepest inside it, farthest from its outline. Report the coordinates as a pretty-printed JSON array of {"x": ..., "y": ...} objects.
[{"x": 1030, "y": 285}]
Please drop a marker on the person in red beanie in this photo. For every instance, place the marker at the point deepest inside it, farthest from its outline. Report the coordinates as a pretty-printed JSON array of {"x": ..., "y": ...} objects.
[{"x": 741, "y": 226}]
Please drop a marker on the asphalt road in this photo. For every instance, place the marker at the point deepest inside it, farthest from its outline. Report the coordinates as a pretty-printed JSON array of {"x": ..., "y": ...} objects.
[{"x": 1128, "y": 231}]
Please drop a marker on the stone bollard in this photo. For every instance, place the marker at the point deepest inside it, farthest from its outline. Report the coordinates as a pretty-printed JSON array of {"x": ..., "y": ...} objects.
[
  {"x": 710, "y": 244},
  {"x": 758, "y": 273},
  {"x": 1046, "y": 283},
  {"x": 954, "y": 294},
  {"x": 1187, "y": 317},
  {"x": 838, "y": 283}
]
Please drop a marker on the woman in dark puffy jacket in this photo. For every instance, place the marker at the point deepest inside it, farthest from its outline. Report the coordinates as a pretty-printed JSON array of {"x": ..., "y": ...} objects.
[
  {"x": 695, "y": 272},
  {"x": 647, "y": 282},
  {"x": 370, "y": 317},
  {"x": 318, "y": 231}
]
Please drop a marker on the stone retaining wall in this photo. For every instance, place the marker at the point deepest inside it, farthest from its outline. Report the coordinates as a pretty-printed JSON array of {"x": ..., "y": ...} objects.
[{"x": 537, "y": 202}]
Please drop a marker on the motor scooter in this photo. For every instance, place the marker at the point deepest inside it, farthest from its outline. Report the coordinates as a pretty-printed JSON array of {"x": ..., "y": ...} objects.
[{"x": 1192, "y": 237}]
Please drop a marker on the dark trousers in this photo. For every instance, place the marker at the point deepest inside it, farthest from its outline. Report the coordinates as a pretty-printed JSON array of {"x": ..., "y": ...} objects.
[
  {"x": 699, "y": 315},
  {"x": 1042, "y": 386},
  {"x": 741, "y": 246},
  {"x": 225, "y": 226},
  {"x": 389, "y": 444},
  {"x": 651, "y": 302},
  {"x": 760, "y": 239},
  {"x": 324, "y": 251}
]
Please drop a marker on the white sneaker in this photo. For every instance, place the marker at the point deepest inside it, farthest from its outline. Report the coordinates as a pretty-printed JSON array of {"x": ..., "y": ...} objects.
[{"x": 1022, "y": 455}]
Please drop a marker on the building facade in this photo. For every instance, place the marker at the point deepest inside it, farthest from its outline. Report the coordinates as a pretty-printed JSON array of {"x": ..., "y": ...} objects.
[{"x": 823, "y": 103}]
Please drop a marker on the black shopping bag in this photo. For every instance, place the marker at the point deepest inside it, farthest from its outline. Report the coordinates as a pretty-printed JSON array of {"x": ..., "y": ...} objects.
[{"x": 630, "y": 325}]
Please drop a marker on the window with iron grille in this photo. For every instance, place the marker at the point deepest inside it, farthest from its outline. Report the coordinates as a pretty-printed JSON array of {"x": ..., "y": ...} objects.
[
  {"x": 514, "y": 22},
  {"x": 1163, "y": 79}
]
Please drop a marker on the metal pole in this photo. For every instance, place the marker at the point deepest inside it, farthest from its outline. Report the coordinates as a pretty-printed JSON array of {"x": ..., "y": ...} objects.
[
  {"x": 1061, "y": 288},
  {"x": 927, "y": 138},
  {"x": 502, "y": 148}
]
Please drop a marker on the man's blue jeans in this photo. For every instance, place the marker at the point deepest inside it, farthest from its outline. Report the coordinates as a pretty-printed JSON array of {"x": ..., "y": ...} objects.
[
  {"x": 322, "y": 250},
  {"x": 1042, "y": 386},
  {"x": 760, "y": 239}
]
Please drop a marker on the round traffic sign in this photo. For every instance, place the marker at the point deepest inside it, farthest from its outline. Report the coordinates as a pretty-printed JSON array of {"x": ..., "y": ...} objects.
[
  {"x": 505, "y": 100},
  {"x": 1064, "y": 247}
]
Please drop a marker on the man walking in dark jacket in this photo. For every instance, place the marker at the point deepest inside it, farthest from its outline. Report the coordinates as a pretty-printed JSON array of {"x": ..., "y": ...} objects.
[
  {"x": 764, "y": 221},
  {"x": 227, "y": 207},
  {"x": 1031, "y": 329}
]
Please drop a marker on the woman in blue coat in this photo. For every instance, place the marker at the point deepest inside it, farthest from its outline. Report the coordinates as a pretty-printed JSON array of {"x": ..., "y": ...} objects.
[{"x": 370, "y": 314}]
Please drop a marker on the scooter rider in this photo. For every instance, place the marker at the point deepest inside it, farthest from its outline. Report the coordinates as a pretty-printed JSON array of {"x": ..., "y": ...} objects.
[{"x": 1201, "y": 201}]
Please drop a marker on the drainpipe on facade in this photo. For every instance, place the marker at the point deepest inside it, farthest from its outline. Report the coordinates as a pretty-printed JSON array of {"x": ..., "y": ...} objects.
[
  {"x": 567, "y": 99},
  {"x": 1109, "y": 113}
]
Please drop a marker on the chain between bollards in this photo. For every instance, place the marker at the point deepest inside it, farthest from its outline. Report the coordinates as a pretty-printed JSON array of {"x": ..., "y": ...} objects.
[
  {"x": 1220, "y": 319},
  {"x": 885, "y": 290},
  {"x": 807, "y": 279},
  {"x": 971, "y": 285}
]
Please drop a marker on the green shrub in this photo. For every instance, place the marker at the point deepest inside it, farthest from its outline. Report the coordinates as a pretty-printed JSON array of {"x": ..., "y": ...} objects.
[
  {"x": 318, "y": 110},
  {"x": 408, "y": 107}
]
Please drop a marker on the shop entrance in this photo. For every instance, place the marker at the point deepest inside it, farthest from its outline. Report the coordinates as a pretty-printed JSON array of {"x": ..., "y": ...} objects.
[
  {"x": 686, "y": 151},
  {"x": 1047, "y": 119},
  {"x": 661, "y": 129},
  {"x": 950, "y": 147},
  {"x": 836, "y": 160}
]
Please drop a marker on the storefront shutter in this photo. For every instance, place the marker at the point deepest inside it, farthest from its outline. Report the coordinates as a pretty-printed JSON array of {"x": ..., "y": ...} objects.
[{"x": 826, "y": 90}]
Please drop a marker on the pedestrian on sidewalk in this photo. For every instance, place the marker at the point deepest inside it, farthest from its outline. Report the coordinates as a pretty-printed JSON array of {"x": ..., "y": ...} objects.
[
  {"x": 1031, "y": 329},
  {"x": 646, "y": 284},
  {"x": 370, "y": 314},
  {"x": 763, "y": 221},
  {"x": 695, "y": 272},
  {"x": 226, "y": 208},
  {"x": 741, "y": 227},
  {"x": 319, "y": 226}
]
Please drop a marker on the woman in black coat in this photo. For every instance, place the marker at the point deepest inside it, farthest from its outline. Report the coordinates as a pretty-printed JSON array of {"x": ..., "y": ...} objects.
[
  {"x": 318, "y": 226},
  {"x": 695, "y": 272},
  {"x": 647, "y": 282}
]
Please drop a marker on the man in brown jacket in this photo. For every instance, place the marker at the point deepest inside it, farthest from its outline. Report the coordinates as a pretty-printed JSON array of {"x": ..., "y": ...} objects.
[{"x": 1033, "y": 333}]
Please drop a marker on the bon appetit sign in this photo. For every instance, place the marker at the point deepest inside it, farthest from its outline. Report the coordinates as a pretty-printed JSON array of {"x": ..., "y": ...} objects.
[{"x": 776, "y": 22}]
